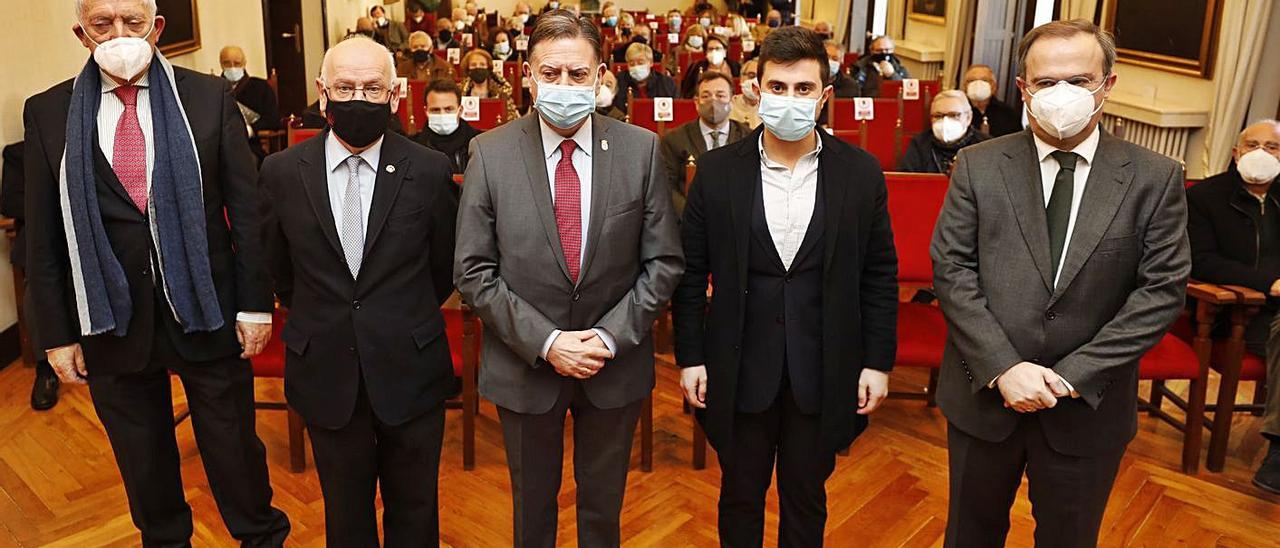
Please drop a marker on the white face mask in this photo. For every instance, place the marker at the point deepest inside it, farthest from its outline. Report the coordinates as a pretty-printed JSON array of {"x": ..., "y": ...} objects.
[
  {"x": 502, "y": 48},
  {"x": 978, "y": 90},
  {"x": 788, "y": 118},
  {"x": 604, "y": 97},
  {"x": 460, "y": 24},
  {"x": 443, "y": 124},
  {"x": 1258, "y": 167},
  {"x": 418, "y": 18},
  {"x": 233, "y": 74},
  {"x": 471, "y": 19},
  {"x": 639, "y": 72},
  {"x": 949, "y": 130},
  {"x": 833, "y": 66},
  {"x": 695, "y": 42},
  {"x": 382, "y": 21},
  {"x": 1063, "y": 110},
  {"x": 748, "y": 90},
  {"x": 715, "y": 56},
  {"x": 124, "y": 57}
]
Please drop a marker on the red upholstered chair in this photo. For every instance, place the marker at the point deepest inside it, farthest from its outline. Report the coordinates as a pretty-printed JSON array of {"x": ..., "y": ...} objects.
[
  {"x": 683, "y": 60},
  {"x": 492, "y": 112},
  {"x": 882, "y": 136},
  {"x": 299, "y": 134},
  {"x": 511, "y": 73},
  {"x": 1235, "y": 365},
  {"x": 269, "y": 364},
  {"x": 463, "y": 330},
  {"x": 413, "y": 108},
  {"x": 915, "y": 200},
  {"x": 640, "y": 113}
]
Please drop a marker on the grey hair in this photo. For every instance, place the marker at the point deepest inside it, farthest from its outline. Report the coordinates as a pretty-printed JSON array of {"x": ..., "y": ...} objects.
[
  {"x": 1265, "y": 121},
  {"x": 150, "y": 5},
  {"x": 952, "y": 94},
  {"x": 391, "y": 60}
]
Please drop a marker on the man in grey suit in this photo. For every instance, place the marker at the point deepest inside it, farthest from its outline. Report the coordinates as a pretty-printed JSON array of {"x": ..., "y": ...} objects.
[
  {"x": 713, "y": 129},
  {"x": 568, "y": 249},
  {"x": 1060, "y": 258}
]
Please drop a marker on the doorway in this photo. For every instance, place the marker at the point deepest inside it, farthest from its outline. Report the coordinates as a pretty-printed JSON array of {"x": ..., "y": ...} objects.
[{"x": 284, "y": 43}]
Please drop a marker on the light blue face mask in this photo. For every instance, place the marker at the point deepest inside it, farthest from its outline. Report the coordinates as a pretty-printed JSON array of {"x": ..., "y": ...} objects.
[
  {"x": 565, "y": 106},
  {"x": 443, "y": 124},
  {"x": 788, "y": 118}
]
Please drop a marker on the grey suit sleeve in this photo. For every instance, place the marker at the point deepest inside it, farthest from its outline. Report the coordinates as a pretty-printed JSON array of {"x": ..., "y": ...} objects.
[
  {"x": 1150, "y": 309},
  {"x": 476, "y": 270},
  {"x": 972, "y": 328},
  {"x": 662, "y": 261}
]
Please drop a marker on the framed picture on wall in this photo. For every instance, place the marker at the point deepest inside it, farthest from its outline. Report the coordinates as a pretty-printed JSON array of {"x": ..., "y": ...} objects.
[
  {"x": 181, "y": 27},
  {"x": 1181, "y": 40},
  {"x": 929, "y": 11}
]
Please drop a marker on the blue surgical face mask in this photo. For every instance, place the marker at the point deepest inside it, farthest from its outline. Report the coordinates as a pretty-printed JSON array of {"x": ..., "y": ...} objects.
[
  {"x": 611, "y": 21},
  {"x": 565, "y": 106},
  {"x": 788, "y": 118},
  {"x": 639, "y": 72}
]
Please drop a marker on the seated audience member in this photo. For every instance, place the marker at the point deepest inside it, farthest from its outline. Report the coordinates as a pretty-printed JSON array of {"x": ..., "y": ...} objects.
[
  {"x": 604, "y": 97},
  {"x": 823, "y": 28},
  {"x": 521, "y": 18},
  {"x": 713, "y": 129},
  {"x": 640, "y": 79},
  {"x": 740, "y": 28},
  {"x": 421, "y": 63},
  {"x": 762, "y": 29},
  {"x": 365, "y": 27},
  {"x": 252, "y": 93},
  {"x": 417, "y": 18},
  {"x": 482, "y": 82},
  {"x": 444, "y": 37},
  {"x": 460, "y": 24},
  {"x": 990, "y": 115},
  {"x": 745, "y": 107},
  {"x": 626, "y": 24},
  {"x": 502, "y": 48},
  {"x": 392, "y": 34},
  {"x": 446, "y": 131},
  {"x": 706, "y": 15},
  {"x": 674, "y": 20},
  {"x": 842, "y": 84},
  {"x": 549, "y": 6},
  {"x": 716, "y": 61},
  {"x": 473, "y": 10},
  {"x": 880, "y": 64},
  {"x": 609, "y": 16},
  {"x": 695, "y": 37},
  {"x": 1233, "y": 221},
  {"x": 641, "y": 34},
  {"x": 934, "y": 150}
]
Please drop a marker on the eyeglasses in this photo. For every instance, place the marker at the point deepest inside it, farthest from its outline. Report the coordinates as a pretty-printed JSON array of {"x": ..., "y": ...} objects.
[
  {"x": 1080, "y": 81},
  {"x": 346, "y": 92},
  {"x": 957, "y": 116},
  {"x": 1250, "y": 146},
  {"x": 103, "y": 27}
]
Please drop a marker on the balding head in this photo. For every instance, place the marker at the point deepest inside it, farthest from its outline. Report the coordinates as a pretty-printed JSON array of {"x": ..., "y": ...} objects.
[
  {"x": 1264, "y": 134},
  {"x": 231, "y": 56},
  {"x": 357, "y": 61},
  {"x": 365, "y": 25},
  {"x": 882, "y": 44},
  {"x": 823, "y": 28}
]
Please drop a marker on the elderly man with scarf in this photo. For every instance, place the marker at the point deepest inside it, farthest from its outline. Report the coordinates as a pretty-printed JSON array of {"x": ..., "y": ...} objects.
[{"x": 145, "y": 259}]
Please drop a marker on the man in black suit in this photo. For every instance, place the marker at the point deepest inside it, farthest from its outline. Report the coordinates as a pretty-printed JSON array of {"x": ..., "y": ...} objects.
[
  {"x": 794, "y": 350},
  {"x": 359, "y": 230},
  {"x": 252, "y": 93},
  {"x": 990, "y": 115},
  {"x": 1060, "y": 257},
  {"x": 127, "y": 366}
]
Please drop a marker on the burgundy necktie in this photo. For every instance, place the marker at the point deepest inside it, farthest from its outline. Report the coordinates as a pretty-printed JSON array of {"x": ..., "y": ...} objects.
[
  {"x": 129, "y": 159},
  {"x": 569, "y": 209}
]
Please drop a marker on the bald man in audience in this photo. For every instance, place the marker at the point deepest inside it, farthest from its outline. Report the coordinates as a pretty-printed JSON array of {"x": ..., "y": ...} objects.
[
  {"x": 253, "y": 94},
  {"x": 934, "y": 149},
  {"x": 880, "y": 64},
  {"x": 1234, "y": 226},
  {"x": 421, "y": 63},
  {"x": 990, "y": 115},
  {"x": 359, "y": 230}
]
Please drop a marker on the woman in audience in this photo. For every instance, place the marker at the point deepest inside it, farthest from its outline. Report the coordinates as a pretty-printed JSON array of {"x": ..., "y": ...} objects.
[
  {"x": 640, "y": 79},
  {"x": 717, "y": 49},
  {"x": 745, "y": 106},
  {"x": 695, "y": 38},
  {"x": 482, "y": 82},
  {"x": 502, "y": 49}
]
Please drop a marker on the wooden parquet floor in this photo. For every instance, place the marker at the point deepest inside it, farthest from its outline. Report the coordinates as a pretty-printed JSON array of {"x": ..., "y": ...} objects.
[{"x": 59, "y": 485}]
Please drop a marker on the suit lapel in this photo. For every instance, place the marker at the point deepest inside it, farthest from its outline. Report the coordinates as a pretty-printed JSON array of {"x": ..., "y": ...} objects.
[
  {"x": 1022, "y": 181},
  {"x": 1108, "y": 183},
  {"x": 833, "y": 194},
  {"x": 315, "y": 180},
  {"x": 536, "y": 166},
  {"x": 386, "y": 186},
  {"x": 601, "y": 164},
  {"x": 693, "y": 132},
  {"x": 744, "y": 184}
]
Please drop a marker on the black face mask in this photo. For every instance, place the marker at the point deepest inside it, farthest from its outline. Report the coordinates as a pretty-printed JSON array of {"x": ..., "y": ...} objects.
[
  {"x": 479, "y": 75},
  {"x": 446, "y": 37},
  {"x": 421, "y": 56},
  {"x": 639, "y": 40},
  {"x": 358, "y": 123},
  {"x": 626, "y": 31},
  {"x": 877, "y": 57}
]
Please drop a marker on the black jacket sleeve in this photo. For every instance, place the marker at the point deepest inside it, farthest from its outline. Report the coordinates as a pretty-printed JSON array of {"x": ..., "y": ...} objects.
[
  {"x": 48, "y": 267},
  {"x": 240, "y": 198}
]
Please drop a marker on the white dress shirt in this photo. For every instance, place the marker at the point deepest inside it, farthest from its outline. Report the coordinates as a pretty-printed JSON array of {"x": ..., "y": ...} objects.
[
  {"x": 335, "y": 161},
  {"x": 789, "y": 196},
  {"x": 723, "y": 128},
  {"x": 582, "y": 165},
  {"x": 1049, "y": 171},
  {"x": 110, "y": 109}
]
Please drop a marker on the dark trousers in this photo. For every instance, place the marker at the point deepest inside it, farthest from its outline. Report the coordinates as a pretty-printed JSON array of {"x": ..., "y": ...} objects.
[
  {"x": 793, "y": 438},
  {"x": 402, "y": 459},
  {"x": 601, "y": 458},
  {"x": 137, "y": 411},
  {"x": 1068, "y": 493}
]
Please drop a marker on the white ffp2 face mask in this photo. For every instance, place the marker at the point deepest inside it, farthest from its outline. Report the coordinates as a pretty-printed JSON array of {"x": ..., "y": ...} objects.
[
  {"x": 978, "y": 90},
  {"x": 1063, "y": 110},
  {"x": 1258, "y": 167},
  {"x": 949, "y": 130},
  {"x": 124, "y": 57}
]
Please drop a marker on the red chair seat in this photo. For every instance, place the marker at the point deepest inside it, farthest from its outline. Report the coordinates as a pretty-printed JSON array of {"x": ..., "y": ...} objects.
[
  {"x": 1170, "y": 359},
  {"x": 922, "y": 333},
  {"x": 1252, "y": 368}
]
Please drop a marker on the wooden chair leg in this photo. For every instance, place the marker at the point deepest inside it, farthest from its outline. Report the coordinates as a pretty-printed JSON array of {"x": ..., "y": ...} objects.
[
  {"x": 297, "y": 443},
  {"x": 1222, "y": 414},
  {"x": 1157, "y": 397},
  {"x": 646, "y": 434},
  {"x": 699, "y": 446},
  {"x": 470, "y": 395},
  {"x": 1259, "y": 396},
  {"x": 1194, "y": 425},
  {"x": 931, "y": 398}
]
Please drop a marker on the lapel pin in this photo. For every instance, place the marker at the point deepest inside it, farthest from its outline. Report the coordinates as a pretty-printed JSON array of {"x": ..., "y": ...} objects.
[
  {"x": 391, "y": 168},
  {"x": 604, "y": 144}
]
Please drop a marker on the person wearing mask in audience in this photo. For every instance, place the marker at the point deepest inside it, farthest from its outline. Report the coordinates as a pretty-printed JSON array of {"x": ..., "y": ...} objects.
[
  {"x": 717, "y": 60},
  {"x": 421, "y": 63},
  {"x": 878, "y": 65},
  {"x": 640, "y": 80},
  {"x": 254, "y": 94},
  {"x": 823, "y": 28},
  {"x": 762, "y": 29},
  {"x": 484, "y": 83},
  {"x": 445, "y": 37},
  {"x": 745, "y": 107},
  {"x": 458, "y": 16},
  {"x": 366, "y": 27},
  {"x": 568, "y": 307},
  {"x": 1234, "y": 226},
  {"x": 446, "y": 131},
  {"x": 934, "y": 150},
  {"x": 473, "y": 11},
  {"x": 841, "y": 82},
  {"x": 417, "y": 20},
  {"x": 713, "y": 129},
  {"x": 695, "y": 37},
  {"x": 626, "y": 23},
  {"x": 604, "y": 98},
  {"x": 674, "y": 21},
  {"x": 1060, "y": 258},
  {"x": 609, "y": 16},
  {"x": 503, "y": 49},
  {"x": 706, "y": 16},
  {"x": 132, "y": 161},
  {"x": 739, "y": 28},
  {"x": 793, "y": 352},
  {"x": 990, "y": 115},
  {"x": 393, "y": 33},
  {"x": 522, "y": 18},
  {"x": 641, "y": 34},
  {"x": 551, "y": 5}
]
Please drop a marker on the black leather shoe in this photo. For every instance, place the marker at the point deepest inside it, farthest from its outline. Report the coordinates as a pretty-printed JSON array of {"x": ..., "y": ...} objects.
[
  {"x": 44, "y": 395},
  {"x": 1268, "y": 476}
]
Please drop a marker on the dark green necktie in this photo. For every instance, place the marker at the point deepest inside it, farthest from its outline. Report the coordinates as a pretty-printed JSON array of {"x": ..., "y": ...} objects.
[{"x": 1058, "y": 213}]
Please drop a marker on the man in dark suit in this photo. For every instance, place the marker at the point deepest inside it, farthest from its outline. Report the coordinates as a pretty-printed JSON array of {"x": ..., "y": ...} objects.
[
  {"x": 197, "y": 314},
  {"x": 713, "y": 129},
  {"x": 990, "y": 115},
  {"x": 567, "y": 250},
  {"x": 1060, "y": 258},
  {"x": 253, "y": 93},
  {"x": 794, "y": 350},
  {"x": 1234, "y": 225},
  {"x": 359, "y": 231}
]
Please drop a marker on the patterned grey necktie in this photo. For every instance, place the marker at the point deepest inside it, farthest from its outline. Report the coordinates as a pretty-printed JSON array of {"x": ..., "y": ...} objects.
[
  {"x": 715, "y": 139},
  {"x": 353, "y": 217}
]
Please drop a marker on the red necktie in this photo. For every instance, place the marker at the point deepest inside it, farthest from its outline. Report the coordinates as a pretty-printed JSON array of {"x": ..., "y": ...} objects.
[
  {"x": 129, "y": 158},
  {"x": 569, "y": 209}
]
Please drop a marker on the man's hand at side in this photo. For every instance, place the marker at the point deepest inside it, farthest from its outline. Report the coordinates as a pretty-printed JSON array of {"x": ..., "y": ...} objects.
[
  {"x": 873, "y": 387},
  {"x": 68, "y": 362},
  {"x": 693, "y": 382},
  {"x": 253, "y": 337},
  {"x": 578, "y": 354}
]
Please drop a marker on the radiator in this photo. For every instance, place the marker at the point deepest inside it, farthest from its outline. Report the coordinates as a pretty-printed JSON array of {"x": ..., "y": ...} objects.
[{"x": 1169, "y": 141}]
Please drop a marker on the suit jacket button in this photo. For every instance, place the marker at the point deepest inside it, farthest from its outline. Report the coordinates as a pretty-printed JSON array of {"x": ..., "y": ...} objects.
[
  {"x": 779, "y": 319},
  {"x": 146, "y": 272},
  {"x": 576, "y": 296},
  {"x": 1035, "y": 361},
  {"x": 355, "y": 305},
  {"x": 351, "y": 349},
  {"x": 1051, "y": 315}
]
